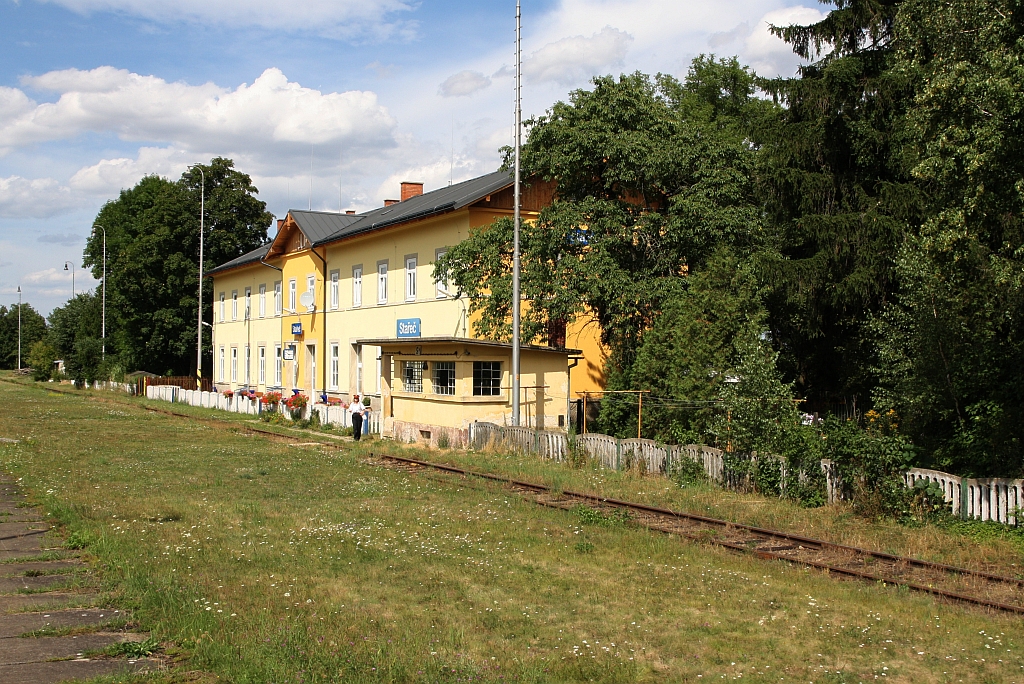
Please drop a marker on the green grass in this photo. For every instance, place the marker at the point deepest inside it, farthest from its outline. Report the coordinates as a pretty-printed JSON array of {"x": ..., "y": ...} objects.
[{"x": 270, "y": 563}]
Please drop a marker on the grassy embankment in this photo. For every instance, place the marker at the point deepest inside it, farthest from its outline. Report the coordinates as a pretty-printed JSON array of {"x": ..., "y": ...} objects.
[{"x": 270, "y": 562}]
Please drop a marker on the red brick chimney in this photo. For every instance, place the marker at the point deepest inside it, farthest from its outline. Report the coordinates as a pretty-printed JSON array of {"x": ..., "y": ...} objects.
[
  {"x": 350, "y": 211},
  {"x": 388, "y": 203},
  {"x": 410, "y": 190},
  {"x": 280, "y": 222}
]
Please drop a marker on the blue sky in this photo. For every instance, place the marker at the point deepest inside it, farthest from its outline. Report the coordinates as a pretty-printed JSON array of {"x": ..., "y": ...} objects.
[{"x": 95, "y": 94}]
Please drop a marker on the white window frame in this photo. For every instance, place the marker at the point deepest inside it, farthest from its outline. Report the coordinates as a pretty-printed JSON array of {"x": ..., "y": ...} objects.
[
  {"x": 278, "y": 367},
  {"x": 248, "y": 365},
  {"x": 382, "y": 282},
  {"x": 263, "y": 300},
  {"x": 234, "y": 305},
  {"x": 292, "y": 292},
  {"x": 442, "y": 286},
  {"x": 410, "y": 278},
  {"x": 222, "y": 308},
  {"x": 261, "y": 375},
  {"x": 248, "y": 304},
  {"x": 357, "y": 285},
  {"x": 234, "y": 364},
  {"x": 335, "y": 365},
  {"x": 311, "y": 289},
  {"x": 335, "y": 287},
  {"x": 278, "y": 298},
  {"x": 221, "y": 363}
]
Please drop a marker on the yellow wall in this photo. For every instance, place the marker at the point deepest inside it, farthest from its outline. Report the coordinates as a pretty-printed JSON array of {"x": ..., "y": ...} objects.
[{"x": 236, "y": 332}]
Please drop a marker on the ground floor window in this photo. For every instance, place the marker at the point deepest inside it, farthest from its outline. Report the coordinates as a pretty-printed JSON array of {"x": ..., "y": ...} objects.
[
  {"x": 248, "y": 364},
  {"x": 277, "y": 365},
  {"x": 234, "y": 364},
  {"x": 335, "y": 366},
  {"x": 221, "y": 365},
  {"x": 412, "y": 375},
  {"x": 263, "y": 366},
  {"x": 444, "y": 377},
  {"x": 486, "y": 378}
]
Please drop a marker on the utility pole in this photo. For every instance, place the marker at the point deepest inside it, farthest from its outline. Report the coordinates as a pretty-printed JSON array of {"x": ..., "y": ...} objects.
[
  {"x": 103, "y": 334},
  {"x": 518, "y": 201},
  {"x": 19, "y": 327},
  {"x": 66, "y": 264},
  {"x": 199, "y": 324}
]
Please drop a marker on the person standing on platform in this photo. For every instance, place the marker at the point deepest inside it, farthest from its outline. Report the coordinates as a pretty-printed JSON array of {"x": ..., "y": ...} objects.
[{"x": 355, "y": 410}]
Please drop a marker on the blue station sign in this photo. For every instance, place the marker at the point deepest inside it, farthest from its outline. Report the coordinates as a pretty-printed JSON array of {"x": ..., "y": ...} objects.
[
  {"x": 408, "y": 327},
  {"x": 296, "y": 328}
]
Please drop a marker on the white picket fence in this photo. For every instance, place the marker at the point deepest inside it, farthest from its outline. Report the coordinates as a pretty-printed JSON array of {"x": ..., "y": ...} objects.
[
  {"x": 240, "y": 403},
  {"x": 995, "y": 499}
]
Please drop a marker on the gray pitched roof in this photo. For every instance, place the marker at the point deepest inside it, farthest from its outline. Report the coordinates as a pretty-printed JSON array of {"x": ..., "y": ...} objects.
[
  {"x": 445, "y": 199},
  {"x": 247, "y": 258},
  {"x": 318, "y": 226}
]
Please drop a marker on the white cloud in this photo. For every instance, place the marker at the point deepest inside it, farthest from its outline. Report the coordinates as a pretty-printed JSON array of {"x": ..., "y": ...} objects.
[
  {"x": 35, "y": 197},
  {"x": 258, "y": 118},
  {"x": 463, "y": 83},
  {"x": 355, "y": 19},
  {"x": 577, "y": 58},
  {"x": 433, "y": 174},
  {"x": 108, "y": 176},
  {"x": 769, "y": 55}
]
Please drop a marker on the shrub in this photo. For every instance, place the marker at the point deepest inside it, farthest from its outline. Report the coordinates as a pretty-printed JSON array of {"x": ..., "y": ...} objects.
[
  {"x": 686, "y": 472},
  {"x": 42, "y": 357},
  {"x": 443, "y": 440}
]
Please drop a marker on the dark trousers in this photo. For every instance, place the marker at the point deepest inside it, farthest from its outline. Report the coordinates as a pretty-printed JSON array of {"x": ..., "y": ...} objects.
[{"x": 357, "y": 426}]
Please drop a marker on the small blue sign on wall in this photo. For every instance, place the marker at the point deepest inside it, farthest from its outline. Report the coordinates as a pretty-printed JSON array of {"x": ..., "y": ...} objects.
[
  {"x": 296, "y": 328},
  {"x": 408, "y": 327}
]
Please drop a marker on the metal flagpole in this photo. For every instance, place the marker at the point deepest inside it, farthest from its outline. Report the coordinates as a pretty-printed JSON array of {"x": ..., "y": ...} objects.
[
  {"x": 515, "y": 246},
  {"x": 19, "y": 327},
  {"x": 199, "y": 326}
]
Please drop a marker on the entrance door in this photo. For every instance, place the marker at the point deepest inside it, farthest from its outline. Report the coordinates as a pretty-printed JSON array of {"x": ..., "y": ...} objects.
[{"x": 311, "y": 370}]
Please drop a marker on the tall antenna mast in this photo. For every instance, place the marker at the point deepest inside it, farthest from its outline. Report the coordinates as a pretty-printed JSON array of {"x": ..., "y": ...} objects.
[
  {"x": 311, "y": 176},
  {"x": 341, "y": 166},
  {"x": 518, "y": 202}
]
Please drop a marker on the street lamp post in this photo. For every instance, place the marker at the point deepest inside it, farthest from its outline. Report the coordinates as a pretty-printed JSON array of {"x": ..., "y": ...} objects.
[
  {"x": 66, "y": 263},
  {"x": 199, "y": 324},
  {"x": 19, "y": 327},
  {"x": 103, "y": 334}
]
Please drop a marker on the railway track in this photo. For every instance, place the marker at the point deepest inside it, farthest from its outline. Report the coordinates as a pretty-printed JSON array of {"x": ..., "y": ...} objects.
[
  {"x": 957, "y": 584},
  {"x": 948, "y": 582}
]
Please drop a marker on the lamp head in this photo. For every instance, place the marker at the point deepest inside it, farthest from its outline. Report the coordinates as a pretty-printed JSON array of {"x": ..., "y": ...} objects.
[{"x": 65, "y": 266}]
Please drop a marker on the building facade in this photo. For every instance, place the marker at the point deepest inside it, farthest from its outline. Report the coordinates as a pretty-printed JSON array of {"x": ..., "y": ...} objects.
[{"x": 312, "y": 309}]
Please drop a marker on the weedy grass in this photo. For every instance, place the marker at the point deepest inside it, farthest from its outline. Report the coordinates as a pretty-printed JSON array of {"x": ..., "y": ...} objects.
[{"x": 325, "y": 566}]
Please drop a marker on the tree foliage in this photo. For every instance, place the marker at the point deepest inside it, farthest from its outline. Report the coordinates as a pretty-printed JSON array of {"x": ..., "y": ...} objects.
[{"x": 33, "y": 329}]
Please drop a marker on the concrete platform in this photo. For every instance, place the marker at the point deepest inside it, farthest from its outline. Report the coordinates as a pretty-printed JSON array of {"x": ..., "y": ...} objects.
[
  {"x": 66, "y": 670},
  {"x": 16, "y": 585},
  {"x": 21, "y": 602},
  {"x": 21, "y": 623},
  {"x": 17, "y": 651},
  {"x": 15, "y": 569}
]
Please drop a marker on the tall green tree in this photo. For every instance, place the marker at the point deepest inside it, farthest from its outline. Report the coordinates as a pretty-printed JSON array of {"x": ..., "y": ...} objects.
[
  {"x": 33, "y": 329},
  {"x": 75, "y": 330},
  {"x": 952, "y": 343},
  {"x": 838, "y": 195},
  {"x": 153, "y": 259}
]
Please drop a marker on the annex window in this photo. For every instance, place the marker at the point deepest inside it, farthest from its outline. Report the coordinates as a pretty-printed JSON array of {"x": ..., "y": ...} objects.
[
  {"x": 412, "y": 375},
  {"x": 262, "y": 370},
  {"x": 444, "y": 377},
  {"x": 410, "y": 278},
  {"x": 247, "y": 306},
  {"x": 442, "y": 286},
  {"x": 221, "y": 307},
  {"x": 234, "y": 305},
  {"x": 263, "y": 300},
  {"x": 277, "y": 365},
  {"x": 335, "y": 366},
  {"x": 311, "y": 289},
  {"x": 382, "y": 282},
  {"x": 220, "y": 375},
  {"x": 486, "y": 378},
  {"x": 292, "y": 285},
  {"x": 248, "y": 364},
  {"x": 278, "y": 303},
  {"x": 234, "y": 364},
  {"x": 357, "y": 286},
  {"x": 335, "y": 298}
]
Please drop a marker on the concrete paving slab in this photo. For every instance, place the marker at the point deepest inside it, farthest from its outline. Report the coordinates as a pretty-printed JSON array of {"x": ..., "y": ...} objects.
[
  {"x": 17, "y": 603},
  {"x": 33, "y": 543},
  {"x": 23, "y": 519},
  {"x": 66, "y": 670},
  {"x": 13, "y": 569},
  {"x": 17, "y": 651},
  {"x": 21, "y": 623},
  {"x": 17, "y": 585}
]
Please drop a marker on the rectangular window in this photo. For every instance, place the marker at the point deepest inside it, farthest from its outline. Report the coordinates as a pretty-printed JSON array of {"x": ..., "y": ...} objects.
[
  {"x": 263, "y": 300},
  {"x": 277, "y": 298},
  {"x": 234, "y": 305},
  {"x": 357, "y": 286},
  {"x": 410, "y": 278},
  {"x": 444, "y": 377},
  {"x": 247, "y": 304},
  {"x": 335, "y": 366},
  {"x": 442, "y": 286},
  {"x": 291, "y": 295},
  {"x": 412, "y": 375},
  {"x": 234, "y": 364},
  {"x": 486, "y": 378},
  {"x": 221, "y": 366},
  {"x": 221, "y": 307},
  {"x": 277, "y": 365},
  {"x": 335, "y": 299},
  {"x": 382, "y": 283},
  {"x": 262, "y": 360},
  {"x": 248, "y": 364},
  {"x": 311, "y": 289}
]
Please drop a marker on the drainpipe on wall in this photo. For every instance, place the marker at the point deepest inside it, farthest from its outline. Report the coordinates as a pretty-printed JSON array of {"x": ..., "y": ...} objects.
[{"x": 323, "y": 352}]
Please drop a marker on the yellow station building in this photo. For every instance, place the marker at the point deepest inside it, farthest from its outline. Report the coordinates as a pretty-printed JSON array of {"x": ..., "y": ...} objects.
[{"x": 342, "y": 304}]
